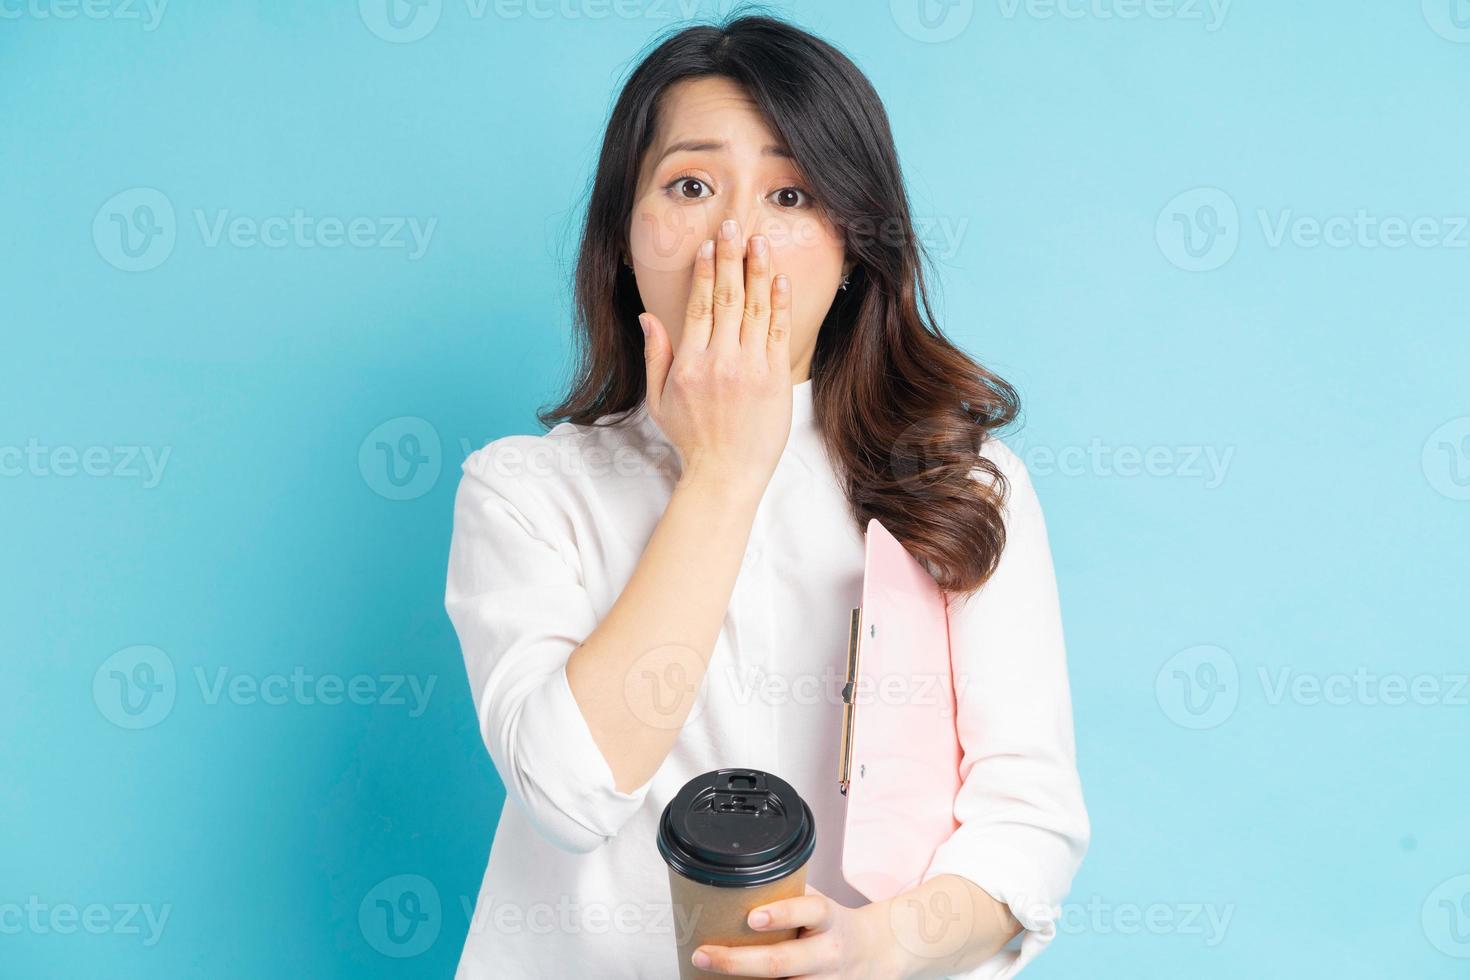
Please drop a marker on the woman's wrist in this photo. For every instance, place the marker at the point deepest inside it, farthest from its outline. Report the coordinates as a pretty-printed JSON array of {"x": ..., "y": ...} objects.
[{"x": 739, "y": 485}]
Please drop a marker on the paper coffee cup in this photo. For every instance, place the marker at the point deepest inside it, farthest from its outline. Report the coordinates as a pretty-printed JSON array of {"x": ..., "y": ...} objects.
[{"x": 734, "y": 839}]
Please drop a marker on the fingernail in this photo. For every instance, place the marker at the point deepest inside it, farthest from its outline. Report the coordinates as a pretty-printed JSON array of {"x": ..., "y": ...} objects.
[
  {"x": 707, "y": 248},
  {"x": 701, "y": 959},
  {"x": 643, "y": 323},
  {"x": 758, "y": 919},
  {"x": 758, "y": 245},
  {"x": 727, "y": 229}
]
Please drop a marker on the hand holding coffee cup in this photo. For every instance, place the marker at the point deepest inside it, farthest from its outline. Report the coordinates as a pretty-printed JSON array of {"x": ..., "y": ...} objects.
[{"x": 734, "y": 839}]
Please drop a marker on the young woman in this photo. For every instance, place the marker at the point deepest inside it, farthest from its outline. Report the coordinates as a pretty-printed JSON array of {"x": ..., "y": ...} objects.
[{"x": 660, "y": 585}]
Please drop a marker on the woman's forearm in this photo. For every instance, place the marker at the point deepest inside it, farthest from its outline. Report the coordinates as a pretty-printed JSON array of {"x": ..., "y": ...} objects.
[{"x": 637, "y": 675}]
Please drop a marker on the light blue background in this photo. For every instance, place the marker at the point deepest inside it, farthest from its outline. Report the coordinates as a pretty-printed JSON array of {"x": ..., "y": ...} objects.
[{"x": 1331, "y": 382}]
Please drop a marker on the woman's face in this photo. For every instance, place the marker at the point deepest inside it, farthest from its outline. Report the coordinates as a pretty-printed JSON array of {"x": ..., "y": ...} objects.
[{"x": 708, "y": 161}]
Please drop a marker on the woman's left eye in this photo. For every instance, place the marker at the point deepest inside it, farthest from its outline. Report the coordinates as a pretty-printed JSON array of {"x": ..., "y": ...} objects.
[{"x": 783, "y": 196}]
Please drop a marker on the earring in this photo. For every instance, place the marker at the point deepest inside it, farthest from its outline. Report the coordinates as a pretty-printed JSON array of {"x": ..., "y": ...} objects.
[{"x": 844, "y": 282}]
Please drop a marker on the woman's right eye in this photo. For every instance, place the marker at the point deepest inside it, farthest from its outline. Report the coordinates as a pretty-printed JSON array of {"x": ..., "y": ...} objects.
[{"x": 681, "y": 187}]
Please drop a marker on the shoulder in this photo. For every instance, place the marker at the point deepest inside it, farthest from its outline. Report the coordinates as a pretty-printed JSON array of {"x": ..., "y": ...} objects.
[
  {"x": 1007, "y": 462},
  {"x": 549, "y": 476}
]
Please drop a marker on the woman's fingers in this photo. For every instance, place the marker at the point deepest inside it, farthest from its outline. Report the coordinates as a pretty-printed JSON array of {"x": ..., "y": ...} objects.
[
  {"x": 755, "y": 321},
  {"x": 778, "y": 341},
  {"x": 657, "y": 357},
  {"x": 729, "y": 290},
  {"x": 810, "y": 953},
  {"x": 699, "y": 312}
]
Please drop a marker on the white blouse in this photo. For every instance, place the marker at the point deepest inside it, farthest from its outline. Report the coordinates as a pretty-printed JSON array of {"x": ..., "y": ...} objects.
[{"x": 548, "y": 529}]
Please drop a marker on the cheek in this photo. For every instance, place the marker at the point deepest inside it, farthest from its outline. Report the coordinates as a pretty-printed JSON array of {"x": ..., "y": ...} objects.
[
  {"x": 664, "y": 238},
  {"x": 813, "y": 260}
]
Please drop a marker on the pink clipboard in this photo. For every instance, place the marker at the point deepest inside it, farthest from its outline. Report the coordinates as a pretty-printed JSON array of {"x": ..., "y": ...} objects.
[{"x": 898, "y": 767}]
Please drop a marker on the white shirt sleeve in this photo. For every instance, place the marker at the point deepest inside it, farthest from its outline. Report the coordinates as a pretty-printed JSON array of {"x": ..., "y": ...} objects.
[
  {"x": 1023, "y": 826},
  {"x": 519, "y": 607}
]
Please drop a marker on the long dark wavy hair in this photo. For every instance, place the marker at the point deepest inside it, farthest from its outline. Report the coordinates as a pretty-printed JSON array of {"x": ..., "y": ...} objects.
[{"x": 901, "y": 410}]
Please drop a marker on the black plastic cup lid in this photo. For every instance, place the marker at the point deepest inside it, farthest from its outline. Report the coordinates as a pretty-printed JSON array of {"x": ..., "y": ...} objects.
[{"x": 736, "y": 827}]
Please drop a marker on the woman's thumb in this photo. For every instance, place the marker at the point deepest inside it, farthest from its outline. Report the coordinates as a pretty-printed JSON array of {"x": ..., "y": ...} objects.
[{"x": 657, "y": 355}]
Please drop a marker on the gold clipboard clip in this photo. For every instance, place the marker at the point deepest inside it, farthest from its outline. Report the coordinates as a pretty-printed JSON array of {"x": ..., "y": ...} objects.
[{"x": 844, "y": 757}]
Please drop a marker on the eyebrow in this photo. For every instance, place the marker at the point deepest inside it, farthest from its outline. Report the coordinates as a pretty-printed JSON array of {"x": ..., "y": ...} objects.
[{"x": 708, "y": 145}]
